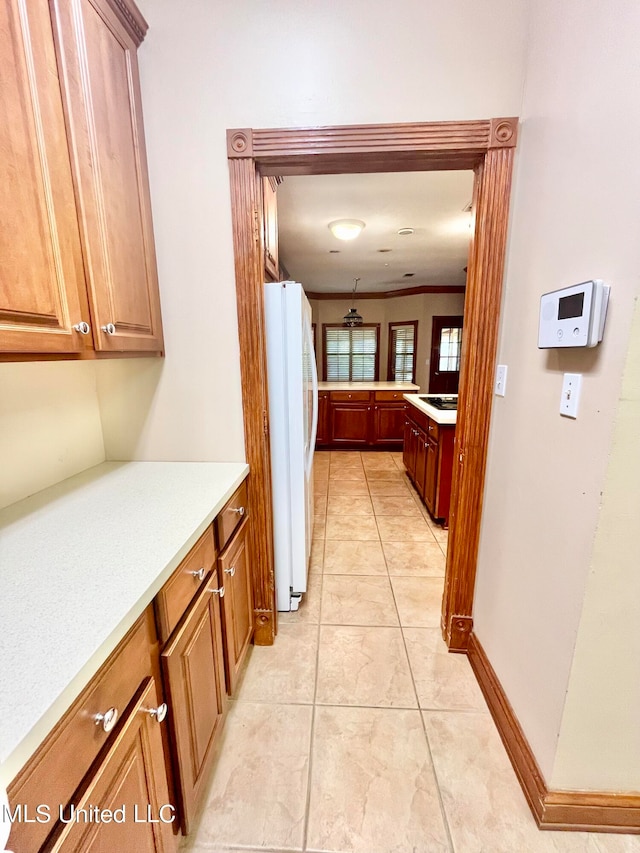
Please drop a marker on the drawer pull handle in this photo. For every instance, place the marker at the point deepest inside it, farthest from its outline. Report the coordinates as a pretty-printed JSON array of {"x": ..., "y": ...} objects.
[
  {"x": 240, "y": 510},
  {"x": 108, "y": 719},
  {"x": 230, "y": 571},
  {"x": 158, "y": 713},
  {"x": 109, "y": 329},
  {"x": 219, "y": 592},
  {"x": 199, "y": 575},
  {"x": 83, "y": 328}
]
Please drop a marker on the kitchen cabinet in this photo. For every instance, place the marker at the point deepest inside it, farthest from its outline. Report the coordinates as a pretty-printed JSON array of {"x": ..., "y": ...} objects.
[
  {"x": 69, "y": 767},
  {"x": 365, "y": 418},
  {"x": 323, "y": 412},
  {"x": 129, "y": 781},
  {"x": 193, "y": 668},
  {"x": 78, "y": 270},
  {"x": 428, "y": 458},
  {"x": 237, "y": 604},
  {"x": 270, "y": 227}
]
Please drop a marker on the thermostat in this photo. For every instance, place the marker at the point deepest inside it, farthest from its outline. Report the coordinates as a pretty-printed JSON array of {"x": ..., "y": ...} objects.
[{"x": 573, "y": 316}]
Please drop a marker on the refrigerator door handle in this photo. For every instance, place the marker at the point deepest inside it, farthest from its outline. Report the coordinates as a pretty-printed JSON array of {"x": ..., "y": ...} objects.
[{"x": 314, "y": 389}]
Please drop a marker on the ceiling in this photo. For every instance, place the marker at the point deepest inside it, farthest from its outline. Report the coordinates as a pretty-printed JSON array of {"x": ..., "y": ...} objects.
[{"x": 432, "y": 203}]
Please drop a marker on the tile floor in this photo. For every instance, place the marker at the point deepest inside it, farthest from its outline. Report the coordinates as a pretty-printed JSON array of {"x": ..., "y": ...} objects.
[{"x": 357, "y": 731}]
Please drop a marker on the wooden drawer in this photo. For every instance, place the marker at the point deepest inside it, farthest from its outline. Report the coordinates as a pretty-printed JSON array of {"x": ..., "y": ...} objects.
[
  {"x": 176, "y": 595},
  {"x": 389, "y": 397},
  {"x": 433, "y": 430},
  {"x": 231, "y": 515},
  {"x": 57, "y": 768},
  {"x": 350, "y": 396}
]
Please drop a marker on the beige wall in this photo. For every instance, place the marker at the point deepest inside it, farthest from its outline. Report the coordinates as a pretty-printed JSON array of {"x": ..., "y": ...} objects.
[
  {"x": 420, "y": 307},
  {"x": 599, "y": 741},
  {"x": 575, "y": 216},
  {"x": 207, "y": 66},
  {"x": 49, "y": 425}
]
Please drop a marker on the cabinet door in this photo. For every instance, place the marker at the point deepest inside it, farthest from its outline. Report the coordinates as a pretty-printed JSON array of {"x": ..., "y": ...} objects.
[
  {"x": 349, "y": 423},
  {"x": 131, "y": 777},
  {"x": 237, "y": 604},
  {"x": 431, "y": 475},
  {"x": 270, "y": 221},
  {"x": 193, "y": 668},
  {"x": 323, "y": 408},
  {"x": 97, "y": 55},
  {"x": 421, "y": 461},
  {"x": 388, "y": 424},
  {"x": 407, "y": 447},
  {"x": 42, "y": 287}
]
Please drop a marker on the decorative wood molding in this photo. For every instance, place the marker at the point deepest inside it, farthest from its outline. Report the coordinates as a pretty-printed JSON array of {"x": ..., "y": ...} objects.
[
  {"x": 595, "y": 811},
  {"x": 460, "y": 628},
  {"x": 131, "y": 18},
  {"x": 479, "y": 343},
  {"x": 487, "y": 147},
  {"x": 249, "y": 265},
  {"x": 264, "y": 627},
  {"x": 503, "y": 133},
  {"x": 387, "y": 294},
  {"x": 240, "y": 142}
]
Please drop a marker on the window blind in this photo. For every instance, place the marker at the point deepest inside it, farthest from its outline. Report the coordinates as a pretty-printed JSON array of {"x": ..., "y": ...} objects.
[
  {"x": 403, "y": 352},
  {"x": 351, "y": 354}
]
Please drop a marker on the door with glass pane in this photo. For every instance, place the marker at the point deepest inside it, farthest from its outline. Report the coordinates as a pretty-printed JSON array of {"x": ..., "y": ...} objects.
[{"x": 446, "y": 346}]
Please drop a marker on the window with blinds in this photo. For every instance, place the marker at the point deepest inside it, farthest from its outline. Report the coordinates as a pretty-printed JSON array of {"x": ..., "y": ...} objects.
[
  {"x": 402, "y": 351},
  {"x": 450, "y": 349},
  {"x": 351, "y": 355}
]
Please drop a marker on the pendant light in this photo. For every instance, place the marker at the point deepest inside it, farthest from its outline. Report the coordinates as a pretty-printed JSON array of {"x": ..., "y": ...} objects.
[{"x": 352, "y": 318}]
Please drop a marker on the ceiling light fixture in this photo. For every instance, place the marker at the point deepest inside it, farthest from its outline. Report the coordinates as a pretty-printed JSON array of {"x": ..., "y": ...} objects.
[
  {"x": 346, "y": 229},
  {"x": 405, "y": 232},
  {"x": 352, "y": 318}
]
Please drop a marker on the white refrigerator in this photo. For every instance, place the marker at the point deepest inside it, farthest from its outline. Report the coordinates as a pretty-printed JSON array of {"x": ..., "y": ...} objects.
[{"x": 293, "y": 417}]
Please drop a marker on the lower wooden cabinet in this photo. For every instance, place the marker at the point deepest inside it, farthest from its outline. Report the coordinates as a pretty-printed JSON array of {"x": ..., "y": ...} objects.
[
  {"x": 193, "y": 668},
  {"x": 130, "y": 782},
  {"x": 237, "y": 604},
  {"x": 428, "y": 458},
  {"x": 361, "y": 418}
]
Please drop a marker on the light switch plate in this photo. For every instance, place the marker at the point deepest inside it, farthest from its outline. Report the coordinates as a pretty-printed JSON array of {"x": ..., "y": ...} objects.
[
  {"x": 570, "y": 394},
  {"x": 501, "y": 380}
]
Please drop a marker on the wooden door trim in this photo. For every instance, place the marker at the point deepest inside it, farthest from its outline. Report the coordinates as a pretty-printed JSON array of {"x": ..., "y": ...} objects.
[{"x": 488, "y": 147}]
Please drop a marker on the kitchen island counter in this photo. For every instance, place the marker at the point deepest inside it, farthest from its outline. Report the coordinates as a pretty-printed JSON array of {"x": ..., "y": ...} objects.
[
  {"x": 440, "y": 416},
  {"x": 80, "y": 563}
]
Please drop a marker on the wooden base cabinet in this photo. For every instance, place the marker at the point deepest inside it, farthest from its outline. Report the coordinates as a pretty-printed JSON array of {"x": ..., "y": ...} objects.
[
  {"x": 129, "y": 781},
  {"x": 322, "y": 435},
  {"x": 362, "y": 419},
  {"x": 428, "y": 458},
  {"x": 193, "y": 667},
  {"x": 237, "y": 604}
]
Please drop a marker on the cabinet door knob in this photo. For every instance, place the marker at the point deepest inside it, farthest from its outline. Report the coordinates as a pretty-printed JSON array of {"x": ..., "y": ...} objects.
[
  {"x": 158, "y": 713},
  {"x": 240, "y": 510},
  {"x": 108, "y": 719},
  {"x": 230, "y": 571},
  {"x": 109, "y": 329},
  {"x": 219, "y": 591},
  {"x": 83, "y": 328},
  {"x": 199, "y": 575}
]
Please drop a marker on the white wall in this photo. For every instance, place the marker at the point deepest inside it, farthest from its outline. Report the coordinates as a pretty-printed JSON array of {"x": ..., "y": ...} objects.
[
  {"x": 49, "y": 425},
  {"x": 207, "y": 66},
  {"x": 575, "y": 216},
  {"x": 420, "y": 307}
]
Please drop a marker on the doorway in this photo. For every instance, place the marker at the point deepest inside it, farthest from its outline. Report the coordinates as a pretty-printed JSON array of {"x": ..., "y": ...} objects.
[
  {"x": 446, "y": 349},
  {"x": 488, "y": 148}
]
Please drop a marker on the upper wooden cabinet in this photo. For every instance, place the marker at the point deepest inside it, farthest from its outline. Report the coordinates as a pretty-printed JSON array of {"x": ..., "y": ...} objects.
[
  {"x": 77, "y": 253},
  {"x": 42, "y": 290}
]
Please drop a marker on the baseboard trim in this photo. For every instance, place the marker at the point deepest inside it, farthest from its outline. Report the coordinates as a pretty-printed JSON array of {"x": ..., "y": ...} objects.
[{"x": 590, "y": 811}]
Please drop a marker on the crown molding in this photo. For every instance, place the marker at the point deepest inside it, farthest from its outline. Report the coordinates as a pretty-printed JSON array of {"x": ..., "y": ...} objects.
[{"x": 387, "y": 294}]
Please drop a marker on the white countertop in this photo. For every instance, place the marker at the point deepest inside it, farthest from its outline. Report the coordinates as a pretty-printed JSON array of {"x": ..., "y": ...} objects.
[
  {"x": 437, "y": 415},
  {"x": 368, "y": 386},
  {"x": 79, "y": 563}
]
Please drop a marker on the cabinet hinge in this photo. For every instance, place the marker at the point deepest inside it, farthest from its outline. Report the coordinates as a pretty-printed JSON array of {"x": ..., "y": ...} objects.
[
  {"x": 256, "y": 226},
  {"x": 265, "y": 423}
]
